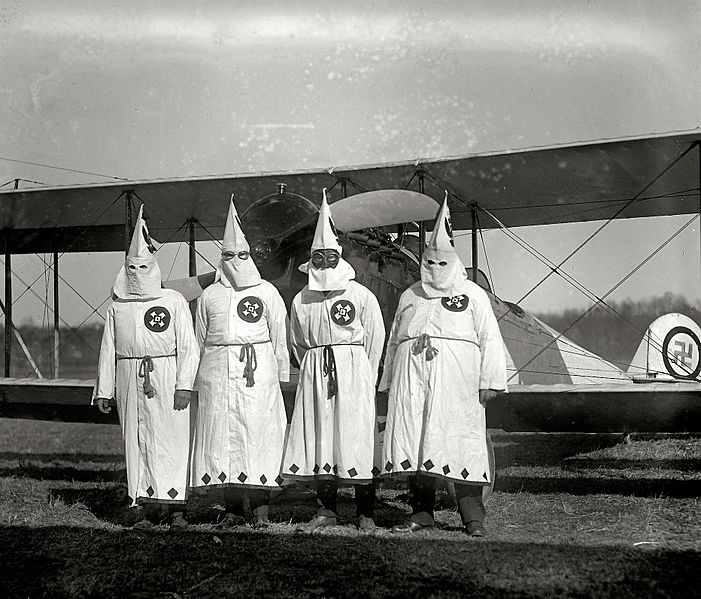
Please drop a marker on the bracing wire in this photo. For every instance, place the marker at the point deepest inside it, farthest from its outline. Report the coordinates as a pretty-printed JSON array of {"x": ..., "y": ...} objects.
[
  {"x": 612, "y": 289},
  {"x": 609, "y": 221},
  {"x": 540, "y": 256},
  {"x": 60, "y": 168}
]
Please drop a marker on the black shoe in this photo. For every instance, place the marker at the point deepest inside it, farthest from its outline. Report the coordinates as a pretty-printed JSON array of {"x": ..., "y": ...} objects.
[
  {"x": 317, "y": 522},
  {"x": 410, "y": 526},
  {"x": 178, "y": 521},
  {"x": 366, "y": 524},
  {"x": 229, "y": 520},
  {"x": 475, "y": 528},
  {"x": 261, "y": 523}
]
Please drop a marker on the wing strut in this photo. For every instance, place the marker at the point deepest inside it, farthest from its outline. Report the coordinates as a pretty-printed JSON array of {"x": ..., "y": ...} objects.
[{"x": 475, "y": 266}]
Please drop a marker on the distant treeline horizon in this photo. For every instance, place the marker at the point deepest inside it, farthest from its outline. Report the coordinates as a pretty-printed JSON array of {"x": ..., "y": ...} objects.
[{"x": 613, "y": 332}]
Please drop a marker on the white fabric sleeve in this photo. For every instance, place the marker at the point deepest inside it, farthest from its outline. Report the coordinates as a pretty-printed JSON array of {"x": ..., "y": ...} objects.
[
  {"x": 106, "y": 367},
  {"x": 493, "y": 360},
  {"x": 391, "y": 350},
  {"x": 374, "y": 332},
  {"x": 297, "y": 343},
  {"x": 278, "y": 325},
  {"x": 188, "y": 354},
  {"x": 201, "y": 322}
]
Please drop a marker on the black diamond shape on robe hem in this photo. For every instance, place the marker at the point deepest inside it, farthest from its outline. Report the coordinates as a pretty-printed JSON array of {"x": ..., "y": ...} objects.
[
  {"x": 484, "y": 475},
  {"x": 206, "y": 478},
  {"x": 464, "y": 473},
  {"x": 352, "y": 472},
  {"x": 294, "y": 468},
  {"x": 388, "y": 466},
  {"x": 150, "y": 491},
  {"x": 406, "y": 464},
  {"x": 173, "y": 493},
  {"x": 278, "y": 480},
  {"x": 263, "y": 479},
  {"x": 428, "y": 464},
  {"x": 327, "y": 467},
  {"x": 222, "y": 477},
  {"x": 316, "y": 469},
  {"x": 446, "y": 469},
  {"x": 375, "y": 471},
  {"x": 335, "y": 469},
  {"x": 381, "y": 426},
  {"x": 242, "y": 477}
]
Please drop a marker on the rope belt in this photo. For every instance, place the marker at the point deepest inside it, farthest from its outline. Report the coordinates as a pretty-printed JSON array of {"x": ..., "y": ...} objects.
[
  {"x": 247, "y": 353},
  {"x": 329, "y": 366},
  {"x": 423, "y": 342},
  {"x": 145, "y": 370}
]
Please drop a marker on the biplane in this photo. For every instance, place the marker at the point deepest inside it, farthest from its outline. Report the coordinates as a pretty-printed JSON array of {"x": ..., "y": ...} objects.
[{"x": 383, "y": 212}]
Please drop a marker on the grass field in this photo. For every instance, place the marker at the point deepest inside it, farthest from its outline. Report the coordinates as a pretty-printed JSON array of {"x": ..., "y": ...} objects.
[{"x": 571, "y": 516}]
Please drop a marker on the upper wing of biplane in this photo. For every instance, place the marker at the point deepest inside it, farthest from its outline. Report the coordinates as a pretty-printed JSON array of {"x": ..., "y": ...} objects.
[
  {"x": 651, "y": 175},
  {"x": 604, "y": 179}
]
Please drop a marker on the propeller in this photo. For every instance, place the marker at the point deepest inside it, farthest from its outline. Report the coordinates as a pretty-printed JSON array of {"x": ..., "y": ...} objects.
[
  {"x": 356, "y": 212},
  {"x": 382, "y": 207}
]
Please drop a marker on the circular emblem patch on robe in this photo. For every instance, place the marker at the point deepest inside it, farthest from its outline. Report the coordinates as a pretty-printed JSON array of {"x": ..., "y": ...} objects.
[
  {"x": 681, "y": 353},
  {"x": 457, "y": 303},
  {"x": 157, "y": 319},
  {"x": 250, "y": 308},
  {"x": 343, "y": 312}
]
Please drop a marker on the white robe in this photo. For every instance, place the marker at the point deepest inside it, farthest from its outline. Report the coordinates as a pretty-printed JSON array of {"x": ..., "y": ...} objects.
[
  {"x": 240, "y": 429},
  {"x": 156, "y": 436},
  {"x": 335, "y": 437},
  {"x": 435, "y": 422}
]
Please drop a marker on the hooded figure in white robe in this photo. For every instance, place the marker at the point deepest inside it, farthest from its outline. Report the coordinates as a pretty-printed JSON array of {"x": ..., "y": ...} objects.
[
  {"x": 444, "y": 359},
  {"x": 337, "y": 335},
  {"x": 241, "y": 326},
  {"x": 148, "y": 360}
]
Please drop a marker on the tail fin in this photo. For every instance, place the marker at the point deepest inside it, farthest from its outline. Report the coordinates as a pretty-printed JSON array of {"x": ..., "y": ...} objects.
[{"x": 670, "y": 350}]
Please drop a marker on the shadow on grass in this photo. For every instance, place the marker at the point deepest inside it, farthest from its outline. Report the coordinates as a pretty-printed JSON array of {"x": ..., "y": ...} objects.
[
  {"x": 70, "y": 466},
  {"x": 640, "y": 487},
  {"x": 291, "y": 505},
  {"x": 538, "y": 449},
  {"x": 75, "y": 562},
  {"x": 584, "y": 463}
]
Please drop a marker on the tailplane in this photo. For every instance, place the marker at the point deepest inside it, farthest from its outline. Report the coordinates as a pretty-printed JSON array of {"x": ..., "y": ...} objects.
[{"x": 670, "y": 351}]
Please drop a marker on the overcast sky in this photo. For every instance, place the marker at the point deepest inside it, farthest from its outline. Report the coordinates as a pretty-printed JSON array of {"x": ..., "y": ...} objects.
[{"x": 143, "y": 90}]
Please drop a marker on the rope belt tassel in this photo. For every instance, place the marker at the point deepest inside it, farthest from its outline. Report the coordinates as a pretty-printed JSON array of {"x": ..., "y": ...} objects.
[
  {"x": 421, "y": 343},
  {"x": 248, "y": 353},
  {"x": 145, "y": 370},
  {"x": 329, "y": 370}
]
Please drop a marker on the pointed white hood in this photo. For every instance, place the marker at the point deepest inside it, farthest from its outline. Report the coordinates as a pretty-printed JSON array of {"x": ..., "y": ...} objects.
[
  {"x": 140, "y": 277},
  {"x": 237, "y": 271},
  {"x": 441, "y": 268},
  {"x": 326, "y": 238}
]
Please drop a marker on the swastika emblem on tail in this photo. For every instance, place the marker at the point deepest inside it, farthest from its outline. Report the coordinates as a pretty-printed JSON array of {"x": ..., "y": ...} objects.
[{"x": 681, "y": 353}]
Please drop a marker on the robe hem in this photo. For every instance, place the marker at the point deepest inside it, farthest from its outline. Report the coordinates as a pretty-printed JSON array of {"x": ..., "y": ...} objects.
[
  {"x": 150, "y": 500},
  {"x": 407, "y": 473},
  {"x": 305, "y": 478},
  {"x": 201, "y": 489}
]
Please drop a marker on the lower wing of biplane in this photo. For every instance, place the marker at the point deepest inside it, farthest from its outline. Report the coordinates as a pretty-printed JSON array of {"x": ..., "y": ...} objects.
[{"x": 555, "y": 385}]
